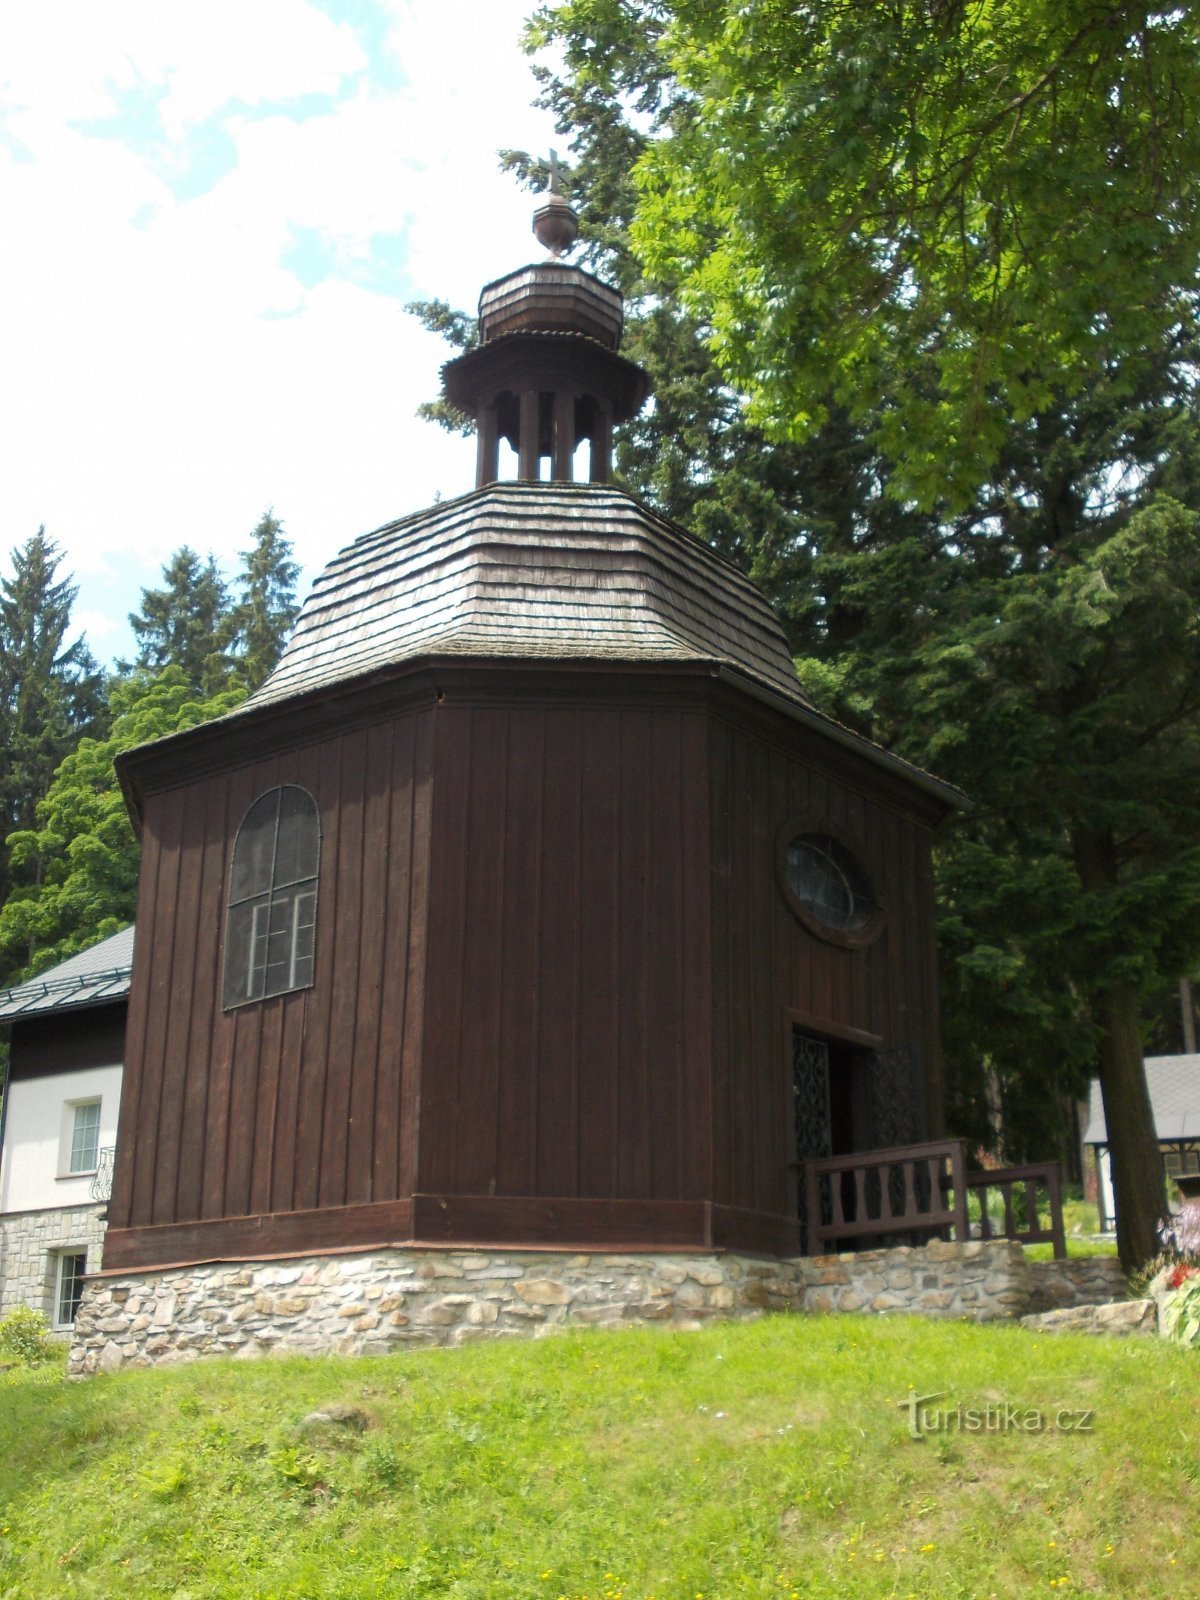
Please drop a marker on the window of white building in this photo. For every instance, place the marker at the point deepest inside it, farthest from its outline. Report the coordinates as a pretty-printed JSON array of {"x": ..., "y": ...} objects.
[
  {"x": 82, "y": 1137},
  {"x": 70, "y": 1267}
]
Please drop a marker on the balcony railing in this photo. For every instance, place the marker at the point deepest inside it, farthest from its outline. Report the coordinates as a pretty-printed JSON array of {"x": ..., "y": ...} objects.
[
  {"x": 921, "y": 1191},
  {"x": 103, "y": 1177}
]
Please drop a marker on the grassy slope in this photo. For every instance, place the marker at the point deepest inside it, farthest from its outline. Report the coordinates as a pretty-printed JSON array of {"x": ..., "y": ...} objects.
[{"x": 766, "y": 1459}]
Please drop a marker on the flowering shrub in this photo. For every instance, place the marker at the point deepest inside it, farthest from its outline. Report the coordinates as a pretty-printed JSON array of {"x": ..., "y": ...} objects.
[
  {"x": 1173, "y": 1278},
  {"x": 1181, "y": 1234},
  {"x": 1181, "y": 1305}
]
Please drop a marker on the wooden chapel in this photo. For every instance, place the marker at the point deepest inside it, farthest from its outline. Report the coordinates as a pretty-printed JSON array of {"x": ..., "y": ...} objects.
[{"x": 529, "y": 902}]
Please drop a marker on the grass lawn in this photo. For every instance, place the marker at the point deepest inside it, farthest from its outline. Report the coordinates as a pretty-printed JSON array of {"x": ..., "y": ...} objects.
[
  {"x": 769, "y": 1459},
  {"x": 1076, "y": 1248}
]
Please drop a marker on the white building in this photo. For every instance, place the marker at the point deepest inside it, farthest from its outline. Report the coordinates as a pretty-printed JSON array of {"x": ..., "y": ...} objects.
[
  {"x": 1174, "y": 1085},
  {"x": 58, "y": 1125}
]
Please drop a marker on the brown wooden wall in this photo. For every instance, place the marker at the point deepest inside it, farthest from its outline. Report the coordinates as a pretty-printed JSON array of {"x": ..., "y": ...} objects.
[
  {"x": 553, "y": 964},
  {"x": 306, "y": 1099},
  {"x": 766, "y": 962},
  {"x": 567, "y": 1030}
]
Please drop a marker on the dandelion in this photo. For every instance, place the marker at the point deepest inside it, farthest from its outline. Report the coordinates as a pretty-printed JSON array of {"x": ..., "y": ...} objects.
[{"x": 926, "y": 1548}]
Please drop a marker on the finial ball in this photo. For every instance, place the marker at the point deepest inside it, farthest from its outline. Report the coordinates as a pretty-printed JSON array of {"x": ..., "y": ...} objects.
[
  {"x": 555, "y": 222},
  {"x": 556, "y": 225}
]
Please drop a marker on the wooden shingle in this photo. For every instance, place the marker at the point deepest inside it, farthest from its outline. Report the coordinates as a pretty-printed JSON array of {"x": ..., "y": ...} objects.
[{"x": 532, "y": 572}]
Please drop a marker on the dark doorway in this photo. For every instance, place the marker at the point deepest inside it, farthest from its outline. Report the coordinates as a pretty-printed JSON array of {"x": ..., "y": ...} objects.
[{"x": 827, "y": 1084}]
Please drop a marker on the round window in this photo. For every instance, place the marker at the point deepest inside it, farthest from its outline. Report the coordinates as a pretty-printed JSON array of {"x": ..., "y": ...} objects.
[{"x": 829, "y": 886}]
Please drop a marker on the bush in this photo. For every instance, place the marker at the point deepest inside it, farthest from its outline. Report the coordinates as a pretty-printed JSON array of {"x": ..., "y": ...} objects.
[{"x": 25, "y": 1337}]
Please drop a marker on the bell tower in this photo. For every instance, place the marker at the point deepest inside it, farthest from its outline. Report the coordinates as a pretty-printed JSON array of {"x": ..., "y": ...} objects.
[{"x": 546, "y": 375}]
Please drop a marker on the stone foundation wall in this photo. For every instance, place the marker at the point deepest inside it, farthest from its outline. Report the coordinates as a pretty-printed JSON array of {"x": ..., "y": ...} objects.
[
  {"x": 373, "y": 1302},
  {"x": 1082, "y": 1281},
  {"x": 381, "y": 1301},
  {"x": 29, "y": 1242},
  {"x": 981, "y": 1281}
]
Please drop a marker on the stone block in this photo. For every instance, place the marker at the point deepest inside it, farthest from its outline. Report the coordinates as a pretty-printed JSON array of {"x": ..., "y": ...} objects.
[
  {"x": 164, "y": 1311},
  {"x": 111, "y": 1358},
  {"x": 543, "y": 1292},
  {"x": 436, "y": 1315}
]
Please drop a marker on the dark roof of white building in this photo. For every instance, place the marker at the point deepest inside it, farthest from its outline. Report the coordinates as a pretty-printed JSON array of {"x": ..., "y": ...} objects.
[
  {"x": 94, "y": 977},
  {"x": 1174, "y": 1084},
  {"x": 531, "y": 571}
]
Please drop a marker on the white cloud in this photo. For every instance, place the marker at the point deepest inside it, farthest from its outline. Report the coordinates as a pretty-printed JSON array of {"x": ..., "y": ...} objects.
[{"x": 165, "y": 375}]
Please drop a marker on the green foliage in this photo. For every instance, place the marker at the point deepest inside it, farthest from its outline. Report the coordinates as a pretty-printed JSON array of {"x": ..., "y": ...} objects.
[
  {"x": 1181, "y": 1306},
  {"x": 460, "y": 331},
  {"x": 50, "y": 691},
  {"x": 263, "y": 616},
  {"x": 941, "y": 216},
  {"x": 188, "y": 623},
  {"x": 759, "y": 1461},
  {"x": 194, "y": 623},
  {"x": 78, "y": 865},
  {"x": 1141, "y": 1279},
  {"x": 25, "y": 1337}
]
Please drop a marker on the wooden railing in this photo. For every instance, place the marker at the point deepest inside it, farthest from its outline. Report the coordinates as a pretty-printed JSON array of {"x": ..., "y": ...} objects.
[
  {"x": 913, "y": 1189},
  {"x": 1018, "y": 1188},
  {"x": 921, "y": 1190}
]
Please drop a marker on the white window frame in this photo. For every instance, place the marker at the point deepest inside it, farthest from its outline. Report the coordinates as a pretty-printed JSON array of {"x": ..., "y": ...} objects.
[
  {"x": 60, "y": 1258},
  {"x": 66, "y": 1145}
]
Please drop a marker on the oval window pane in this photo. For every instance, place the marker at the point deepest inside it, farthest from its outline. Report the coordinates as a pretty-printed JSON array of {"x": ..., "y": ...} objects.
[{"x": 829, "y": 883}]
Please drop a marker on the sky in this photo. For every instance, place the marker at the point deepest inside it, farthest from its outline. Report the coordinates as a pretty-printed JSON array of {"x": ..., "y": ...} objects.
[{"x": 211, "y": 218}]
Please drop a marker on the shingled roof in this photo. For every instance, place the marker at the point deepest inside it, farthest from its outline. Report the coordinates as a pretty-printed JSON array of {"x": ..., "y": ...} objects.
[{"x": 531, "y": 572}]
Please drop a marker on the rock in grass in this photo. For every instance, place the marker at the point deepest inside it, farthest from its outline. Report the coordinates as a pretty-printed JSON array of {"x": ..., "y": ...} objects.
[{"x": 337, "y": 1417}]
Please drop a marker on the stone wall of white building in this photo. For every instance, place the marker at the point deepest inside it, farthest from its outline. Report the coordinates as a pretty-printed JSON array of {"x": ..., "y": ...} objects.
[{"x": 31, "y": 1241}]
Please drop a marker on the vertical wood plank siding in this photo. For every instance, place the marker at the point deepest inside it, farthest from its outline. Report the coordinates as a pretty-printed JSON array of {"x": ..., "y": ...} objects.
[
  {"x": 766, "y": 962},
  {"x": 566, "y": 1043},
  {"x": 553, "y": 961},
  {"x": 297, "y": 1100}
]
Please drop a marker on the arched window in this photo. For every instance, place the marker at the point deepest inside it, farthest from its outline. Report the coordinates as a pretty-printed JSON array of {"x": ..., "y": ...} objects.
[{"x": 271, "y": 926}]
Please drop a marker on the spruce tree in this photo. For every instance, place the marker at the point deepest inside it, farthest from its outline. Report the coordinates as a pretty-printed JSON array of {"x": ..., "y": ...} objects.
[
  {"x": 50, "y": 691},
  {"x": 187, "y": 623},
  {"x": 267, "y": 608}
]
